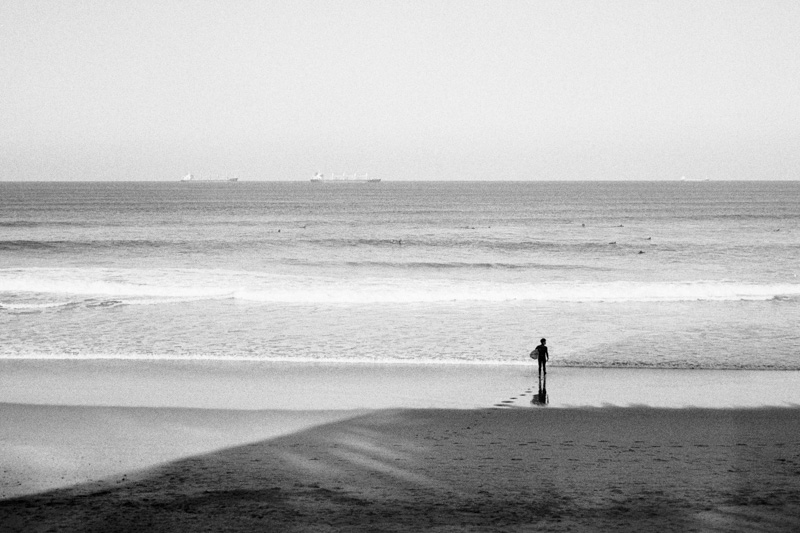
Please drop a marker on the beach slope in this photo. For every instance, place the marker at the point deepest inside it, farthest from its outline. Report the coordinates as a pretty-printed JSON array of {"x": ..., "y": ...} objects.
[{"x": 499, "y": 469}]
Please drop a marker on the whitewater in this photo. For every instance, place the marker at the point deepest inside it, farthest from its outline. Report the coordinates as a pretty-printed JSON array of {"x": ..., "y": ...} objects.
[
  {"x": 149, "y": 287},
  {"x": 643, "y": 275}
]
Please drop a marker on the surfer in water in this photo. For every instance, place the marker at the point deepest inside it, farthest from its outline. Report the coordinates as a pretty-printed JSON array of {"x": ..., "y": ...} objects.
[{"x": 540, "y": 353}]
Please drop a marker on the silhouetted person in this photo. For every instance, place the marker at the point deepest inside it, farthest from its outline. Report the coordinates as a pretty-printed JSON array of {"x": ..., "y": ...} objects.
[{"x": 540, "y": 353}]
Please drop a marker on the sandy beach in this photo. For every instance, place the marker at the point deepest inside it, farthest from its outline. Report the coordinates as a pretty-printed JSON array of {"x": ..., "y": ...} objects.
[
  {"x": 285, "y": 266},
  {"x": 106, "y": 458}
]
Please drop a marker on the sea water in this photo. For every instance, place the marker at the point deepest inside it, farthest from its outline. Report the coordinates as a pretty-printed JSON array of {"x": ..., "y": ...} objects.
[{"x": 613, "y": 274}]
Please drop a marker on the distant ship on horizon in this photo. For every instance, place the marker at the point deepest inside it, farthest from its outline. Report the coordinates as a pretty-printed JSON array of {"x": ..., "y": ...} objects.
[
  {"x": 191, "y": 177},
  {"x": 344, "y": 178}
]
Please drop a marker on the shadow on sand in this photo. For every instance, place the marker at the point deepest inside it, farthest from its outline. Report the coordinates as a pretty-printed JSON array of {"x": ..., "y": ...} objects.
[
  {"x": 416, "y": 470},
  {"x": 388, "y": 470}
]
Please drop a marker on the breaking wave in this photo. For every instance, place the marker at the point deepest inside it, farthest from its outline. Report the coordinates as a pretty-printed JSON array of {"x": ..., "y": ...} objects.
[{"x": 157, "y": 286}]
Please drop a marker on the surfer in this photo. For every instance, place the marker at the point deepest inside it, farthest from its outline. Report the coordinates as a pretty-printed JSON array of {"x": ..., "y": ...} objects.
[{"x": 541, "y": 353}]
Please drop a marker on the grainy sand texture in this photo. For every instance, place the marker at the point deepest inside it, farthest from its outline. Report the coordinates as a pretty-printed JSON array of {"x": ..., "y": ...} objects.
[
  {"x": 165, "y": 447},
  {"x": 606, "y": 469}
]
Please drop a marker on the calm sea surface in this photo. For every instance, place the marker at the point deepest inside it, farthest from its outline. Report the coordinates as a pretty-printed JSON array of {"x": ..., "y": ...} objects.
[{"x": 647, "y": 274}]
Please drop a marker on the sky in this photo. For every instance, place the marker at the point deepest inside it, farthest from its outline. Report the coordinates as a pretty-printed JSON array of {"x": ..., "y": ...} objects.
[{"x": 401, "y": 90}]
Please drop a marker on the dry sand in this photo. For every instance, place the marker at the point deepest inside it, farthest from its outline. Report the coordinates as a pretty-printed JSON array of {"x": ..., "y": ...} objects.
[
  {"x": 517, "y": 468},
  {"x": 607, "y": 469}
]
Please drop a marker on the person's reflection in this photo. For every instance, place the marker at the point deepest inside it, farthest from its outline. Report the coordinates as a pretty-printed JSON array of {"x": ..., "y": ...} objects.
[{"x": 541, "y": 398}]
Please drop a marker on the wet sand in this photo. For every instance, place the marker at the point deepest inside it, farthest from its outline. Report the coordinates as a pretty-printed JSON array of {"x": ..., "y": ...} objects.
[
  {"x": 334, "y": 386},
  {"x": 508, "y": 465}
]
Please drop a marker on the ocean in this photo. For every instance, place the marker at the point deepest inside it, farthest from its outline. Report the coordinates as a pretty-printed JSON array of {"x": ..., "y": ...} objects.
[{"x": 614, "y": 274}]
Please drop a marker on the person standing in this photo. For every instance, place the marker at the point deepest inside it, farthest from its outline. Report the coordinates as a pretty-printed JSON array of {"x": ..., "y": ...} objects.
[{"x": 541, "y": 353}]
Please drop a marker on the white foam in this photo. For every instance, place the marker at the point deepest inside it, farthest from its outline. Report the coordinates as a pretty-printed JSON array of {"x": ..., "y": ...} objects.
[
  {"x": 158, "y": 286},
  {"x": 32, "y": 306},
  {"x": 259, "y": 359},
  {"x": 387, "y": 361}
]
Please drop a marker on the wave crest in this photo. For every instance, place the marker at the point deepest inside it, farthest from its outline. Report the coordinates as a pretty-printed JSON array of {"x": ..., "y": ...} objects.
[{"x": 138, "y": 286}]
